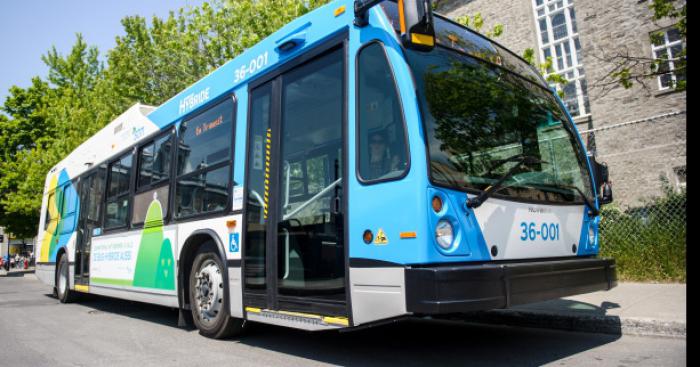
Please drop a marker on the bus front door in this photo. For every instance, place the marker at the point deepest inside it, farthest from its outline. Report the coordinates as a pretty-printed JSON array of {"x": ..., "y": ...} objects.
[
  {"x": 294, "y": 254},
  {"x": 90, "y": 189}
]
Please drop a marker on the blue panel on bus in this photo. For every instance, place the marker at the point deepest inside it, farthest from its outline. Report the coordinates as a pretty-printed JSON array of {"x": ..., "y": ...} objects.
[{"x": 318, "y": 25}]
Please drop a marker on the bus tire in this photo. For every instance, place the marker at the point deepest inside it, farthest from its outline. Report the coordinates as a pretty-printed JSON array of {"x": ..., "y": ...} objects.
[
  {"x": 63, "y": 292},
  {"x": 208, "y": 297}
]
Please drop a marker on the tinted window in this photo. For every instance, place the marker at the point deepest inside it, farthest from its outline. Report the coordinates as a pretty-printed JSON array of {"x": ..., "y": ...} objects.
[
  {"x": 119, "y": 175},
  {"x": 381, "y": 132},
  {"x": 154, "y": 161},
  {"x": 51, "y": 211},
  {"x": 70, "y": 205},
  {"x": 204, "y": 161},
  {"x": 449, "y": 34},
  {"x": 256, "y": 212},
  {"x": 97, "y": 188},
  {"x": 484, "y": 125},
  {"x": 203, "y": 192},
  {"x": 206, "y": 139},
  {"x": 118, "y": 195}
]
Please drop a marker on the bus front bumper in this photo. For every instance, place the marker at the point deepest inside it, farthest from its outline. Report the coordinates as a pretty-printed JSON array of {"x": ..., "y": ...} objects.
[{"x": 464, "y": 287}]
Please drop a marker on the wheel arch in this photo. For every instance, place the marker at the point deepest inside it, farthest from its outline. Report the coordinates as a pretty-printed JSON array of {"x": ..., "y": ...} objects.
[
  {"x": 189, "y": 250},
  {"x": 62, "y": 251}
]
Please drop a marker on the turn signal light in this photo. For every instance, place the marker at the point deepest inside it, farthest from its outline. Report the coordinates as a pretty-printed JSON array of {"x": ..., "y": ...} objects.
[
  {"x": 367, "y": 236},
  {"x": 437, "y": 204}
]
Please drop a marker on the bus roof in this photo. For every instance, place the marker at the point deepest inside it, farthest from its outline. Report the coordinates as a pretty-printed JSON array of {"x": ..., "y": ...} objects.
[
  {"x": 119, "y": 134},
  {"x": 141, "y": 120},
  {"x": 307, "y": 30}
]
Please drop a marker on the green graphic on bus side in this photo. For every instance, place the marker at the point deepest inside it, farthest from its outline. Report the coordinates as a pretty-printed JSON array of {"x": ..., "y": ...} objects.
[{"x": 155, "y": 261}]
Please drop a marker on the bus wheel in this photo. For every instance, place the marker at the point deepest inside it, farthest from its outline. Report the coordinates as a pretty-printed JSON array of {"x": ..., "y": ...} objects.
[
  {"x": 207, "y": 297},
  {"x": 63, "y": 292}
]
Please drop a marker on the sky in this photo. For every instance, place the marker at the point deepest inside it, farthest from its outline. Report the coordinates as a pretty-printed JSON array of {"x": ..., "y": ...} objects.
[{"x": 29, "y": 28}]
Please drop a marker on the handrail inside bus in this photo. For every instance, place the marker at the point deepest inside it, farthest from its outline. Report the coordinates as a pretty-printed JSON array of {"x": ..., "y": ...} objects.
[
  {"x": 287, "y": 172},
  {"x": 286, "y": 253},
  {"x": 315, "y": 197}
]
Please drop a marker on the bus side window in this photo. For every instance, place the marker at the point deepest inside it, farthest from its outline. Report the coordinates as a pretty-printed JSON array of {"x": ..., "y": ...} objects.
[
  {"x": 382, "y": 148},
  {"x": 119, "y": 177},
  {"x": 70, "y": 205},
  {"x": 152, "y": 181},
  {"x": 52, "y": 209},
  {"x": 97, "y": 189},
  {"x": 205, "y": 144}
]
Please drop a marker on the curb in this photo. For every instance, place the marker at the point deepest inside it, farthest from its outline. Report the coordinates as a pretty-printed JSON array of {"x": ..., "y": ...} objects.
[
  {"x": 15, "y": 273},
  {"x": 582, "y": 323}
]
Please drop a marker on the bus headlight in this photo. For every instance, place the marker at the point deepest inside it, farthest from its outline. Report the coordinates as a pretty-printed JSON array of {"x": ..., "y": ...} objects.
[{"x": 444, "y": 234}]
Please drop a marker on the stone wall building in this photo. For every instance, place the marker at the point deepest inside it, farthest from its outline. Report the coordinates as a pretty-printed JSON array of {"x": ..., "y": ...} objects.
[{"x": 640, "y": 132}]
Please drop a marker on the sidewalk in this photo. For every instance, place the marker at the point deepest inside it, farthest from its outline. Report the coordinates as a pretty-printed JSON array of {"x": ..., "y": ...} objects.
[
  {"x": 629, "y": 308},
  {"x": 15, "y": 272}
]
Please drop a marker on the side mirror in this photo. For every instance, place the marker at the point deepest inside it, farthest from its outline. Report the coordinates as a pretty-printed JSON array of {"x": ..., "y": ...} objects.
[
  {"x": 601, "y": 177},
  {"x": 606, "y": 195},
  {"x": 416, "y": 18}
]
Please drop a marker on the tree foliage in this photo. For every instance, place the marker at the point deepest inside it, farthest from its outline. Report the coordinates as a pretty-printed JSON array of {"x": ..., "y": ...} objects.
[
  {"x": 150, "y": 63},
  {"x": 627, "y": 69}
]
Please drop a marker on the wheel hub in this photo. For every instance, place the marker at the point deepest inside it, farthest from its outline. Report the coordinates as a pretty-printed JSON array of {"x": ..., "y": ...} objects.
[{"x": 209, "y": 290}]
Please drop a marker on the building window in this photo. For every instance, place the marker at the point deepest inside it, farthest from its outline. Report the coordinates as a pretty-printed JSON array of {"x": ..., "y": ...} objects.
[
  {"x": 556, "y": 20},
  {"x": 667, "y": 46}
]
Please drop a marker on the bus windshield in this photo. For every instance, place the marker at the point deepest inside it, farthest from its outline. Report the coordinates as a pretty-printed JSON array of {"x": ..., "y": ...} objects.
[{"x": 482, "y": 122}]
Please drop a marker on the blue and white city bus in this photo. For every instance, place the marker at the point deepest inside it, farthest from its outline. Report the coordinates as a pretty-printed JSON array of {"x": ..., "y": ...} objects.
[{"x": 367, "y": 162}]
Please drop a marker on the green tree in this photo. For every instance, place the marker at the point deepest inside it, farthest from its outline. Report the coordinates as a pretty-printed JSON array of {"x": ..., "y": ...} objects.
[
  {"x": 150, "y": 63},
  {"x": 47, "y": 120}
]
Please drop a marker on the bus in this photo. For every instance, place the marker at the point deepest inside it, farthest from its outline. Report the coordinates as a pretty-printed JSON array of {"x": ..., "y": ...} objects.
[{"x": 369, "y": 161}]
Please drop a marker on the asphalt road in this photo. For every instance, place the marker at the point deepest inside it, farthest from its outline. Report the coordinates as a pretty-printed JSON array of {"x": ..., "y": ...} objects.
[{"x": 36, "y": 330}]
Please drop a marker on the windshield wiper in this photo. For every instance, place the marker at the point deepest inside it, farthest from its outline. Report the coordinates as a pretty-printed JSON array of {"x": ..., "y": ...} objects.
[
  {"x": 526, "y": 160},
  {"x": 593, "y": 212}
]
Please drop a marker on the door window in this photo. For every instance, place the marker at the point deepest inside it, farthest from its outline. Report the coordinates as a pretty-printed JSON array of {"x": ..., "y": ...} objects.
[
  {"x": 259, "y": 150},
  {"x": 310, "y": 258}
]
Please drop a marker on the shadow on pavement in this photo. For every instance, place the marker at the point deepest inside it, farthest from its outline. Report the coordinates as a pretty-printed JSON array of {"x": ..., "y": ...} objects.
[
  {"x": 558, "y": 314},
  {"x": 143, "y": 311},
  {"x": 407, "y": 343},
  {"x": 414, "y": 343}
]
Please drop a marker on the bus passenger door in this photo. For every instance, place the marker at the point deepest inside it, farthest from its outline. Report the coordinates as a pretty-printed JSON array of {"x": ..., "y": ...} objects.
[
  {"x": 294, "y": 254},
  {"x": 90, "y": 189}
]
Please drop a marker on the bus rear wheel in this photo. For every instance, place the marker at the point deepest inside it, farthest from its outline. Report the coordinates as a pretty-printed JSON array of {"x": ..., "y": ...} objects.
[
  {"x": 63, "y": 292},
  {"x": 208, "y": 297}
]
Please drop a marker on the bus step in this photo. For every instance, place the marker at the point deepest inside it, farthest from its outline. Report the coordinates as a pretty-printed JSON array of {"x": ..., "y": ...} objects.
[{"x": 299, "y": 320}]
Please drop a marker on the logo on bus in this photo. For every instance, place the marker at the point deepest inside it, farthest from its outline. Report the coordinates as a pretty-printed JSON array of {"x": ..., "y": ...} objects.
[{"x": 192, "y": 100}]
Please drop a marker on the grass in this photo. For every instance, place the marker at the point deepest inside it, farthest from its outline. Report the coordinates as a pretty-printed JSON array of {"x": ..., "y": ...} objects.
[{"x": 647, "y": 243}]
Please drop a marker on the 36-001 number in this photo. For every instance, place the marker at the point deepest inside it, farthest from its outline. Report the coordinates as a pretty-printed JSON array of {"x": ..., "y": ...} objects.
[
  {"x": 545, "y": 231},
  {"x": 251, "y": 67}
]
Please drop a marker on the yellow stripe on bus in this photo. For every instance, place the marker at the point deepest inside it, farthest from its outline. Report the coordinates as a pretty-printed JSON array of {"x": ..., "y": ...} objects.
[
  {"x": 336, "y": 320},
  {"x": 82, "y": 288}
]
